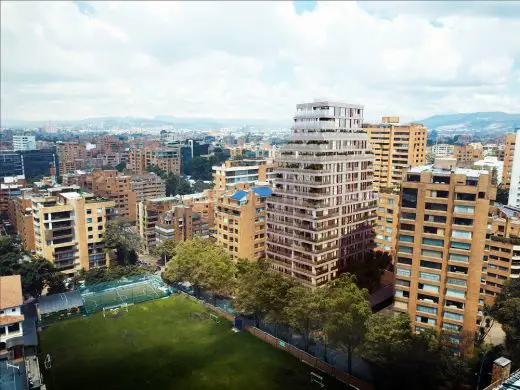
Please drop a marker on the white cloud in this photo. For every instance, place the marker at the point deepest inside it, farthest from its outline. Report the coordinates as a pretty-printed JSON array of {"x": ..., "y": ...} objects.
[{"x": 256, "y": 59}]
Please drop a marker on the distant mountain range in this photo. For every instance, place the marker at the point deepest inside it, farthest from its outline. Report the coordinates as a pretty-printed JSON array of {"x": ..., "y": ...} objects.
[
  {"x": 484, "y": 123},
  {"x": 157, "y": 121},
  {"x": 493, "y": 123}
]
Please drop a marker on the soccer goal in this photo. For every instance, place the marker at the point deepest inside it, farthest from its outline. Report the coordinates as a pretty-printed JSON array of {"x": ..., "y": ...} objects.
[{"x": 115, "y": 310}]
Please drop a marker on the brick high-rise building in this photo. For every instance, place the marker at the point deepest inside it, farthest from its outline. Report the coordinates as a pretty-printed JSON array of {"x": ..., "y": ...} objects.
[
  {"x": 71, "y": 156},
  {"x": 148, "y": 186},
  {"x": 514, "y": 168},
  {"x": 509, "y": 156},
  {"x": 141, "y": 157},
  {"x": 441, "y": 240},
  {"x": 240, "y": 222},
  {"x": 396, "y": 147},
  {"x": 467, "y": 155},
  {"x": 322, "y": 211}
]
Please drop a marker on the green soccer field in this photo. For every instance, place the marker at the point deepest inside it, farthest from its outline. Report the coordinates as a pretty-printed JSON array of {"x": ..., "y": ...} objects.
[{"x": 164, "y": 344}]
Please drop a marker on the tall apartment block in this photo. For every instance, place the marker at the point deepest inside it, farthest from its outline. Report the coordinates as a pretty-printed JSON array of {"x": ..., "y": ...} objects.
[
  {"x": 396, "y": 147},
  {"x": 24, "y": 142},
  {"x": 71, "y": 156},
  {"x": 148, "y": 186},
  {"x": 440, "y": 245},
  {"x": 109, "y": 184},
  {"x": 240, "y": 222},
  {"x": 387, "y": 221},
  {"x": 502, "y": 250},
  {"x": 510, "y": 150},
  {"x": 140, "y": 157},
  {"x": 233, "y": 172},
  {"x": 69, "y": 230},
  {"x": 322, "y": 211},
  {"x": 148, "y": 214},
  {"x": 514, "y": 168}
]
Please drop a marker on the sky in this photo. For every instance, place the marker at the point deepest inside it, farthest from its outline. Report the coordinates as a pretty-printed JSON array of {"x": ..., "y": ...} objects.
[{"x": 72, "y": 60}]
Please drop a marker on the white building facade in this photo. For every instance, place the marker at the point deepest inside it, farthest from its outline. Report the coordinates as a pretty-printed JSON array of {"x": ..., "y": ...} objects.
[
  {"x": 24, "y": 142},
  {"x": 514, "y": 189}
]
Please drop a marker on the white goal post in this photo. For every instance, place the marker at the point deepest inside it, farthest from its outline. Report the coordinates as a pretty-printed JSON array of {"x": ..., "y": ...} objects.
[{"x": 115, "y": 309}]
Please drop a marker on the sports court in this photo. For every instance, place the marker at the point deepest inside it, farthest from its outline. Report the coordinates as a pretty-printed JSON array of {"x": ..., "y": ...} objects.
[{"x": 170, "y": 343}]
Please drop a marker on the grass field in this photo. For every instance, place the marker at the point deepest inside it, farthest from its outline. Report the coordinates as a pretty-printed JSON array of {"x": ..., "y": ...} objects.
[{"x": 162, "y": 345}]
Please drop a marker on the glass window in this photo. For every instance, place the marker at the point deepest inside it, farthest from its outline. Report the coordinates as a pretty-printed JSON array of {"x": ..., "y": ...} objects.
[
  {"x": 404, "y": 272},
  {"x": 429, "y": 287},
  {"x": 427, "y": 309},
  {"x": 453, "y": 316},
  {"x": 405, "y": 238},
  {"x": 452, "y": 327},
  {"x": 461, "y": 234},
  {"x": 429, "y": 276},
  {"x": 430, "y": 264},
  {"x": 409, "y": 197},
  {"x": 401, "y": 282},
  {"x": 405, "y": 249},
  {"x": 89, "y": 220},
  {"x": 404, "y": 260},
  {"x": 464, "y": 209},
  {"x": 432, "y": 241},
  {"x": 452, "y": 292},
  {"x": 428, "y": 252},
  {"x": 458, "y": 282},
  {"x": 456, "y": 257},
  {"x": 460, "y": 245}
]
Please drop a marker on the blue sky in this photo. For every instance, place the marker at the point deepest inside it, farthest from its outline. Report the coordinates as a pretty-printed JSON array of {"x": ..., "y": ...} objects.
[{"x": 257, "y": 59}]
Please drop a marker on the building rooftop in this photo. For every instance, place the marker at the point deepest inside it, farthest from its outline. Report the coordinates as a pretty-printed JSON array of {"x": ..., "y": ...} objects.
[
  {"x": 10, "y": 291},
  {"x": 442, "y": 171}
]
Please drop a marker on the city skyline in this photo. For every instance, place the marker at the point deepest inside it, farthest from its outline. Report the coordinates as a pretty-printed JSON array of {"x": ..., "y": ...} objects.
[{"x": 140, "y": 59}]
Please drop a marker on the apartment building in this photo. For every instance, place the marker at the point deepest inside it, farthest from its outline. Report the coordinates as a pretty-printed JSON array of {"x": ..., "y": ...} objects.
[
  {"x": 148, "y": 214},
  {"x": 180, "y": 223},
  {"x": 442, "y": 150},
  {"x": 11, "y": 318},
  {"x": 72, "y": 156},
  {"x": 140, "y": 157},
  {"x": 148, "y": 186},
  {"x": 10, "y": 187},
  {"x": 322, "y": 211},
  {"x": 467, "y": 155},
  {"x": 512, "y": 163},
  {"x": 396, "y": 147},
  {"x": 21, "y": 218},
  {"x": 492, "y": 164},
  {"x": 240, "y": 222},
  {"x": 69, "y": 229},
  {"x": 502, "y": 250},
  {"x": 510, "y": 150},
  {"x": 387, "y": 220},
  {"x": 109, "y": 184},
  {"x": 440, "y": 245},
  {"x": 248, "y": 171},
  {"x": 24, "y": 142}
]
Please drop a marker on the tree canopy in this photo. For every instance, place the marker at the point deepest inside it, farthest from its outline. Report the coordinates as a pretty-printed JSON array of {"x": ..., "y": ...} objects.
[
  {"x": 507, "y": 311},
  {"x": 121, "y": 236}
]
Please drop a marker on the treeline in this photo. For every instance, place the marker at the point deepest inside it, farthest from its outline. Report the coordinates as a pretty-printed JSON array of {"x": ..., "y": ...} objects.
[{"x": 338, "y": 315}]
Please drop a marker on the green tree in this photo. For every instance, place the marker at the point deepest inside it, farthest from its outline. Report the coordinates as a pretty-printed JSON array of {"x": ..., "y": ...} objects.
[
  {"x": 507, "y": 311},
  {"x": 121, "y": 236},
  {"x": 38, "y": 274},
  {"x": 369, "y": 271},
  {"x": 346, "y": 314},
  {"x": 304, "y": 310},
  {"x": 165, "y": 250},
  {"x": 200, "y": 186},
  {"x": 203, "y": 264},
  {"x": 155, "y": 169},
  {"x": 121, "y": 166},
  {"x": 502, "y": 195}
]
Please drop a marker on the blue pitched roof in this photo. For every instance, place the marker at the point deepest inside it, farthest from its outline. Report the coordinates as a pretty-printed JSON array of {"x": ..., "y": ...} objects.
[
  {"x": 239, "y": 195},
  {"x": 263, "y": 192}
]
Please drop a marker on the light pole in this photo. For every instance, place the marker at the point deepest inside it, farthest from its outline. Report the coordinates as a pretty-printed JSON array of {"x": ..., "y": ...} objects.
[{"x": 480, "y": 371}]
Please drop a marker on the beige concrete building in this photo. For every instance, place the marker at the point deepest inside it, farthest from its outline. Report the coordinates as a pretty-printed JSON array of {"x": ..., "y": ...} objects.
[
  {"x": 240, "y": 222},
  {"x": 246, "y": 171},
  {"x": 440, "y": 245},
  {"x": 387, "y": 221},
  {"x": 509, "y": 156},
  {"x": 69, "y": 229},
  {"x": 322, "y": 211},
  {"x": 396, "y": 147},
  {"x": 467, "y": 155},
  {"x": 168, "y": 159},
  {"x": 180, "y": 223}
]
